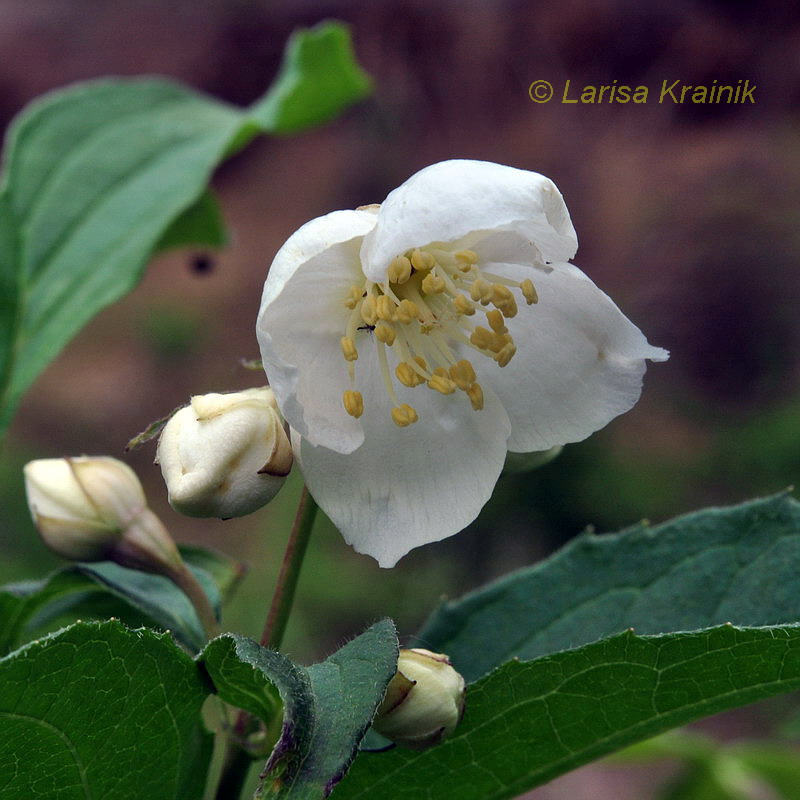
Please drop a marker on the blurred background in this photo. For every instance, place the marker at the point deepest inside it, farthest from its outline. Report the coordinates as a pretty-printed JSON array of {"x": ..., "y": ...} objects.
[{"x": 686, "y": 215}]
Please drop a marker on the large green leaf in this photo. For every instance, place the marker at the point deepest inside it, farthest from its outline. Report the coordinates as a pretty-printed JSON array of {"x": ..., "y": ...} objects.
[
  {"x": 100, "y": 711},
  {"x": 102, "y": 590},
  {"x": 99, "y": 175},
  {"x": 526, "y": 723},
  {"x": 737, "y": 564},
  {"x": 327, "y": 707}
]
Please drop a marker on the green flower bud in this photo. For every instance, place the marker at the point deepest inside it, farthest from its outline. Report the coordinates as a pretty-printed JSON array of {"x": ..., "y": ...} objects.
[
  {"x": 424, "y": 701},
  {"x": 224, "y": 455}
]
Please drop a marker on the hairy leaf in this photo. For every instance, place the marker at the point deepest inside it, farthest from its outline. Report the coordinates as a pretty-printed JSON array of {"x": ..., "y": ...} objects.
[
  {"x": 100, "y": 711},
  {"x": 527, "y": 722},
  {"x": 327, "y": 707},
  {"x": 104, "y": 589},
  {"x": 718, "y": 565}
]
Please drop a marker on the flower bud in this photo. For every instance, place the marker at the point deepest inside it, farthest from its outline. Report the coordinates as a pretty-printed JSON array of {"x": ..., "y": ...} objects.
[
  {"x": 93, "y": 509},
  {"x": 224, "y": 455},
  {"x": 424, "y": 701}
]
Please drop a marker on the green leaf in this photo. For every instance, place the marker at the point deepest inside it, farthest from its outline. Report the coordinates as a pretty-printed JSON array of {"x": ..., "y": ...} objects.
[
  {"x": 737, "y": 564},
  {"x": 201, "y": 224},
  {"x": 104, "y": 589},
  {"x": 526, "y": 723},
  {"x": 328, "y": 707},
  {"x": 99, "y": 175},
  {"x": 99, "y": 711},
  {"x": 318, "y": 78}
]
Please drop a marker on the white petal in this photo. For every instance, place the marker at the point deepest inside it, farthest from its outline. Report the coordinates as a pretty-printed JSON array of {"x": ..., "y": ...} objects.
[
  {"x": 302, "y": 319},
  {"x": 407, "y": 487},
  {"x": 453, "y": 199},
  {"x": 579, "y": 362}
]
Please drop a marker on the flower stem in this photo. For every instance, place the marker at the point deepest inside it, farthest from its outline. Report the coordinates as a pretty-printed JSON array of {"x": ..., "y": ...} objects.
[
  {"x": 283, "y": 596},
  {"x": 237, "y": 761},
  {"x": 185, "y": 580},
  {"x": 234, "y": 773}
]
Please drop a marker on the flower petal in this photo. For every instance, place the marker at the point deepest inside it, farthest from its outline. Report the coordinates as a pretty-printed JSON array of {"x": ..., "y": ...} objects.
[
  {"x": 301, "y": 320},
  {"x": 453, "y": 199},
  {"x": 579, "y": 361},
  {"x": 407, "y": 487}
]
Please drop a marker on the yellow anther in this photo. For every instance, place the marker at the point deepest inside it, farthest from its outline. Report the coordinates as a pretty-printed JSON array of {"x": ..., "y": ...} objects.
[
  {"x": 469, "y": 257},
  {"x": 508, "y": 308},
  {"x": 421, "y": 362},
  {"x": 422, "y": 260},
  {"x": 406, "y": 375},
  {"x": 399, "y": 270},
  {"x": 475, "y": 394},
  {"x": 529, "y": 291},
  {"x": 464, "y": 305},
  {"x": 406, "y": 312},
  {"x": 384, "y": 307},
  {"x": 348, "y": 348},
  {"x": 353, "y": 403},
  {"x": 462, "y": 374},
  {"x": 505, "y": 355},
  {"x": 496, "y": 321},
  {"x": 433, "y": 284},
  {"x": 404, "y": 415},
  {"x": 481, "y": 290},
  {"x": 385, "y": 333},
  {"x": 369, "y": 310},
  {"x": 498, "y": 344},
  {"x": 442, "y": 384},
  {"x": 353, "y": 296},
  {"x": 501, "y": 294},
  {"x": 482, "y": 338}
]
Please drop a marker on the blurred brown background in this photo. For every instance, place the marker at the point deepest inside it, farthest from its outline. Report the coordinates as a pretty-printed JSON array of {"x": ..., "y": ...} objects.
[{"x": 686, "y": 214}]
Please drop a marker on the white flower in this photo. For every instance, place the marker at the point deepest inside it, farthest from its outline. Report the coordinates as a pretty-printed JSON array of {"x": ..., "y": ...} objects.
[
  {"x": 410, "y": 345},
  {"x": 224, "y": 455}
]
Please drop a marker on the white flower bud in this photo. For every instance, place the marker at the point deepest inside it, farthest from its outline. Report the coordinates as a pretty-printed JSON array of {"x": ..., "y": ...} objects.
[
  {"x": 224, "y": 455},
  {"x": 424, "y": 701},
  {"x": 94, "y": 508}
]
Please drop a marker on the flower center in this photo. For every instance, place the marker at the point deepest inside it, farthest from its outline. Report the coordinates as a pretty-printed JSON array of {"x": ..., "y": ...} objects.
[{"x": 427, "y": 305}]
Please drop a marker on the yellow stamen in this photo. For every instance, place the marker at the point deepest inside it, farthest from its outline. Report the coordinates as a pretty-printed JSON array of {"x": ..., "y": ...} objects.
[
  {"x": 496, "y": 321},
  {"x": 462, "y": 374},
  {"x": 353, "y": 296},
  {"x": 369, "y": 310},
  {"x": 481, "y": 337},
  {"x": 404, "y": 415},
  {"x": 433, "y": 284},
  {"x": 422, "y": 260},
  {"x": 406, "y": 375},
  {"x": 464, "y": 305},
  {"x": 407, "y": 312},
  {"x": 481, "y": 290},
  {"x": 399, "y": 270},
  {"x": 529, "y": 291},
  {"x": 348, "y": 348},
  {"x": 509, "y": 308},
  {"x": 475, "y": 394},
  {"x": 385, "y": 333},
  {"x": 384, "y": 307},
  {"x": 353, "y": 403},
  {"x": 442, "y": 384},
  {"x": 469, "y": 257},
  {"x": 505, "y": 355}
]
